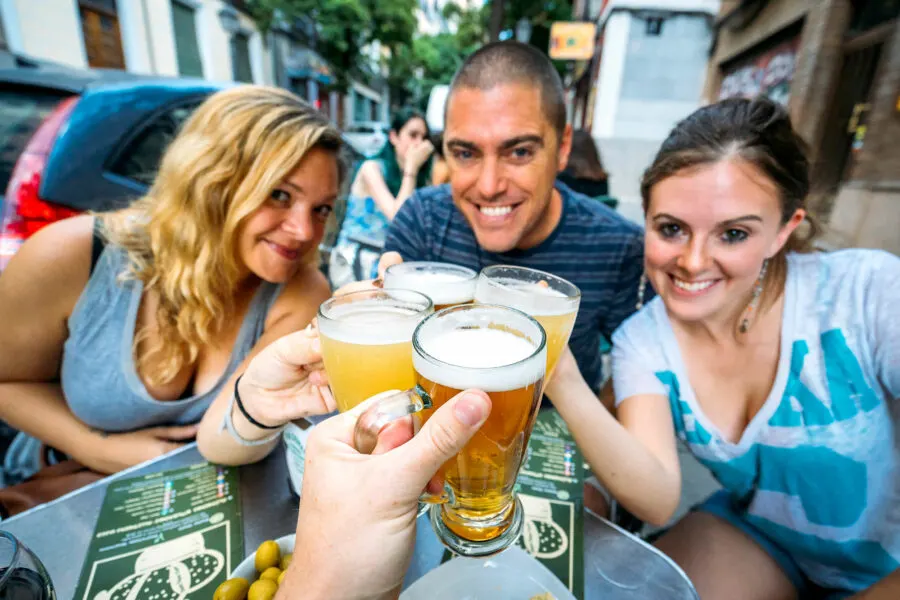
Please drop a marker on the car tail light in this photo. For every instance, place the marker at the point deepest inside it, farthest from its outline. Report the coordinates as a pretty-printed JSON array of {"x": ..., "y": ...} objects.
[{"x": 24, "y": 212}]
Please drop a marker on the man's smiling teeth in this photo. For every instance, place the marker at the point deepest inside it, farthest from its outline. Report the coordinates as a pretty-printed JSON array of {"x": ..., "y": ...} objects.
[
  {"x": 495, "y": 211},
  {"x": 698, "y": 286}
]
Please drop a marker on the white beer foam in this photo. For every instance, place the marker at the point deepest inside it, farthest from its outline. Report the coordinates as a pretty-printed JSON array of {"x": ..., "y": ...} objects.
[
  {"x": 480, "y": 358},
  {"x": 370, "y": 323},
  {"x": 443, "y": 283}
]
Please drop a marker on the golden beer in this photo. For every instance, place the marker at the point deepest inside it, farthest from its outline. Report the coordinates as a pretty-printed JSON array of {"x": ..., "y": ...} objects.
[
  {"x": 506, "y": 358},
  {"x": 367, "y": 342},
  {"x": 446, "y": 284},
  {"x": 551, "y": 300}
]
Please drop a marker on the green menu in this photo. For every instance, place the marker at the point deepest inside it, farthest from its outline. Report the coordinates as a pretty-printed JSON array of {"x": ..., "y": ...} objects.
[
  {"x": 550, "y": 486},
  {"x": 173, "y": 534}
]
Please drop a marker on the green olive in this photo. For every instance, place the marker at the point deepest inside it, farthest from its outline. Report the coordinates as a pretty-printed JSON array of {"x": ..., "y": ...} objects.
[
  {"x": 281, "y": 578},
  {"x": 271, "y": 573},
  {"x": 232, "y": 589},
  {"x": 267, "y": 555},
  {"x": 286, "y": 560},
  {"x": 263, "y": 589}
]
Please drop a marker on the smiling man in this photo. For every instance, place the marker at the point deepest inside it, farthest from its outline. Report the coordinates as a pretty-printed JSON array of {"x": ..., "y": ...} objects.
[{"x": 505, "y": 140}]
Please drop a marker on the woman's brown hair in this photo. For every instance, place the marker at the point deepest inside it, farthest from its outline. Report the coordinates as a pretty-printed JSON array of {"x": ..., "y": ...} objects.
[
  {"x": 584, "y": 159},
  {"x": 758, "y": 131}
]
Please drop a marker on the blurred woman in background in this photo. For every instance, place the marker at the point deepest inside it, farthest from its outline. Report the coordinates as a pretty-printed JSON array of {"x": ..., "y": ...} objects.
[{"x": 381, "y": 186}]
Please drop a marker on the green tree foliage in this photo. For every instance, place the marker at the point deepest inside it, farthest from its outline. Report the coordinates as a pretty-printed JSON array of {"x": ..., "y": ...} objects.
[{"x": 344, "y": 27}]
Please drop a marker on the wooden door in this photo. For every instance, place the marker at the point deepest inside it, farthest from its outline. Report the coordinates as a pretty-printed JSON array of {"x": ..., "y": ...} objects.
[{"x": 102, "y": 38}]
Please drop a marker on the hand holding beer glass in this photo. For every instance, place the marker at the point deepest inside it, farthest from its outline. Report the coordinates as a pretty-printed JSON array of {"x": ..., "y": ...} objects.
[
  {"x": 446, "y": 284},
  {"x": 367, "y": 342},
  {"x": 551, "y": 300},
  {"x": 501, "y": 351}
]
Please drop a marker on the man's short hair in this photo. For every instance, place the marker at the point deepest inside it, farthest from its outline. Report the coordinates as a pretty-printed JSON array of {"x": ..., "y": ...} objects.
[{"x": 512, "y": 62}]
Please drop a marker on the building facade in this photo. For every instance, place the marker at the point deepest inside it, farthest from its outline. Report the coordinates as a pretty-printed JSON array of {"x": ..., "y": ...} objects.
[
  {"x": 210, "y": 39},
  {"x": 647, "y": 73},
  {"x": 836, "y": 65}
]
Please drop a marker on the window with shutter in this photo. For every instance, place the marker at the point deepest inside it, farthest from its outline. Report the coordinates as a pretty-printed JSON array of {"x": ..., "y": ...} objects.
[{"x": 186, "y": 48}]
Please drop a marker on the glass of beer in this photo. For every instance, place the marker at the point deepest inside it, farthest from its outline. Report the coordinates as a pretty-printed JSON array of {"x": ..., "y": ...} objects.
[
  {"x": 367, "y": 342},
  {"x": 501, "y": 351},
  {"x": 446, "y": 284},
  {"x": 551, "y": 300}
]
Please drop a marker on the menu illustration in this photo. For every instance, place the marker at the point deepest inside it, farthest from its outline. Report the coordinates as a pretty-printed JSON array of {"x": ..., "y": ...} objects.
[
  {"x": 175, "y": 535},
  {"x": 550, "y": 487}
]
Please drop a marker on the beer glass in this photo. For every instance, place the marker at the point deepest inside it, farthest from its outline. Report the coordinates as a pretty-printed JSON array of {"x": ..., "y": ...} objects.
[
  {"x": 501, "y": 351},
  {"x": 551, "y": 300},
  {"x": 367, "y": 342},
  {"x": 22, "y": 576},
  {"x": 446, "y": 284}
]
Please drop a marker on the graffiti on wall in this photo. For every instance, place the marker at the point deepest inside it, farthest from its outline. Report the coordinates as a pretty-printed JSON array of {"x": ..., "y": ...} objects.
[{"x": 768, "y": 74}]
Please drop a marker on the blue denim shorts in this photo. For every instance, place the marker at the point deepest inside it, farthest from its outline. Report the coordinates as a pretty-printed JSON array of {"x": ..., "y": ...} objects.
[{"x": 721, "y": 505}]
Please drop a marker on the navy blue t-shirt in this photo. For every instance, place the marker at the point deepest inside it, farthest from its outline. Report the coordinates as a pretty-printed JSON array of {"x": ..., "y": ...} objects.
[{"x": 593, "y": 247}]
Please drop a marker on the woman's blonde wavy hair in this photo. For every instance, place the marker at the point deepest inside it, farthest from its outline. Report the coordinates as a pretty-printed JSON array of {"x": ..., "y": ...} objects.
[{"x": 181, "y": 237}]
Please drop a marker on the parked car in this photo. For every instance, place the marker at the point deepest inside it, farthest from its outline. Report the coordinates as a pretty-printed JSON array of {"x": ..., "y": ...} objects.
[
  {"x": 367, "y": 137},
  {"x": 78, "y": 140},
  {"x": 73, "y": 140}
]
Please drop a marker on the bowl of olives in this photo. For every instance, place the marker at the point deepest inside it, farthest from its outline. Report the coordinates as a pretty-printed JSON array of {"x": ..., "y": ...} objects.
[{"x": 259, "y": 575}]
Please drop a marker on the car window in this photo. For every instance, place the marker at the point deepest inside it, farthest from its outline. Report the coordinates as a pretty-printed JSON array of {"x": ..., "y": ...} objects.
[
  {"x": 21, "y": 112},
  {"x": 140, "y": 159}
]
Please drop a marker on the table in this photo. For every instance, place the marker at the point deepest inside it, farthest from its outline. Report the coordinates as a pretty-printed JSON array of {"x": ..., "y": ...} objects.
[{"x": 617, "y": 564}]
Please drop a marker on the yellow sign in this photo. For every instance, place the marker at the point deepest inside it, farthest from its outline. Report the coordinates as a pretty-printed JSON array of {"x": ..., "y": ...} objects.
[{"x": 572, "y": 41}]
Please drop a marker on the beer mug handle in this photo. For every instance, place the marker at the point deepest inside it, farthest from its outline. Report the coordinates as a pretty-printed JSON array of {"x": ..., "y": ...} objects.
[{"x": 385, "y": 411}]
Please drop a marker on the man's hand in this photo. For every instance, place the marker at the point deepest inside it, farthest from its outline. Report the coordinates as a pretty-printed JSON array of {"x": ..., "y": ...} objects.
[
  {"x": 357, "y": 523},
  {"x": 388, "y": 259}
]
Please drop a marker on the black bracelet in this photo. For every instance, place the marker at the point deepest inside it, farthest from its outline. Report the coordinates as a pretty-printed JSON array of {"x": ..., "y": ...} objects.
[{"x": 240, "y": 405}]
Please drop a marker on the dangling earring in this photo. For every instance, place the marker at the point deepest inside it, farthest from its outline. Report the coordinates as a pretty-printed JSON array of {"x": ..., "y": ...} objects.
[
  {"x": 642, "y": 287},
  {"x": 754, "y": 300}
]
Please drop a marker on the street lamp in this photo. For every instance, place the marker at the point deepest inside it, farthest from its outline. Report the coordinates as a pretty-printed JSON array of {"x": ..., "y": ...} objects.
[
  {"x": 523, "y": 30},
  {"x": 229, "y": 20}
]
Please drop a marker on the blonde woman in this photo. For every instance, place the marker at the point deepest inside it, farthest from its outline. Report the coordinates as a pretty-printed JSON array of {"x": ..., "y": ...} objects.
[{"x": 123, "y": 334}]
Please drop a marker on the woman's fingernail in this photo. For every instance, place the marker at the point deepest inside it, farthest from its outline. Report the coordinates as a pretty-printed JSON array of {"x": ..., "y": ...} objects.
[
  {"x": 471, "y": 410},
  {"x": 316, "y": 346}
]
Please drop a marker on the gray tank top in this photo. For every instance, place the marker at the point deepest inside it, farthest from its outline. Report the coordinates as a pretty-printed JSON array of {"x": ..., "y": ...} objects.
[{"x": 99, "y": 378}]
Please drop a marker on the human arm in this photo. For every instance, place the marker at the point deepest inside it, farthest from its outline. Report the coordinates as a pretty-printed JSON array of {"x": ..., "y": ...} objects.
[
  {"x": 284, "y": 378},
  {"x": 373, "y": 179},
  {"x": 882, "y": 297},
  {"x": 635, "y": 456},
  {"x": 38, "y": 292},
  {"x": 357, "y": 522}
]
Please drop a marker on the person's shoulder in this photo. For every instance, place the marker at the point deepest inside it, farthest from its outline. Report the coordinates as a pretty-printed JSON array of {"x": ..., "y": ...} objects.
[
  {"x": 643, "y": 328},
  {"x": 54, "y": 264},
  {"x": 426, "y": 205},
  {"x": 303, "y": 293},
  {"x": 58, "y": 249},
  {"x": 434, "y": 196},
  {"x": 840, "y": 286},
  {"x": 591, "y": 213},
  {"x": 840, "y": 267}
]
